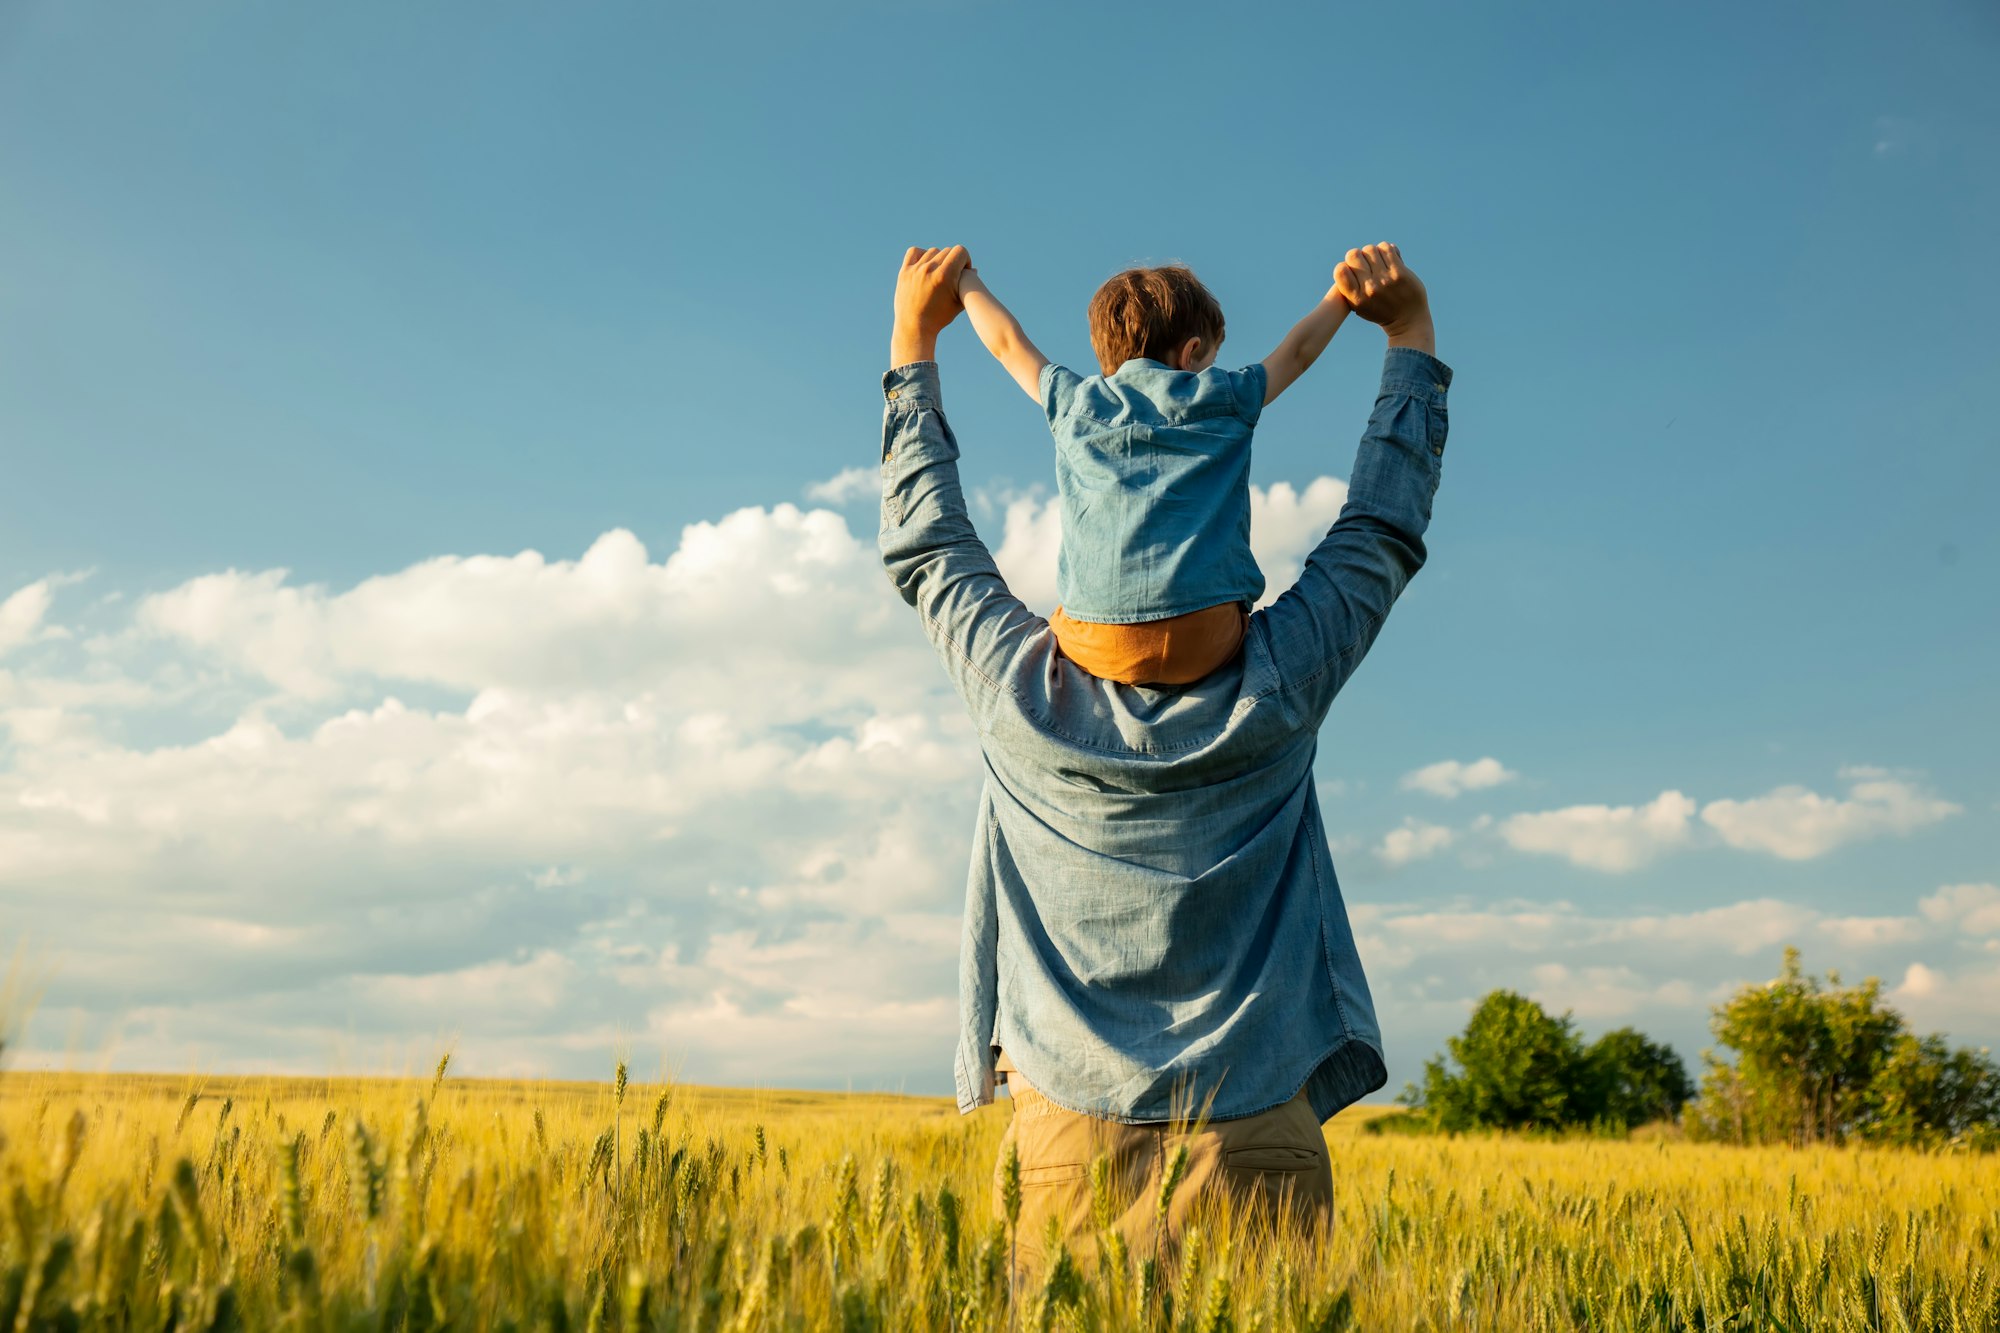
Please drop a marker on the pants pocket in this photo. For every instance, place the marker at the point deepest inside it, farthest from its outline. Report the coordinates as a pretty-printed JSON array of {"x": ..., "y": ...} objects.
[{"x": 1271, "y": 1157}]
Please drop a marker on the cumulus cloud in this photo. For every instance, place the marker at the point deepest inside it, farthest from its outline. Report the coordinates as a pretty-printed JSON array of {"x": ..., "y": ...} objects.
[
  {"x": 846, "y": 486},
  {"x": 1605, "y": 837},
  {"x": 1753, "y": 926},
  {"x": 712, "y": 799},
  {"x": 22, "y": 613},
  {"x": 566, "y": 782},
  {"x": 1286, "y": 524},
  {"x": 716, "y": 797},
  {"x": 1030, "y": 538},
  {"x": 1790, "y": 822},
  {"x": 779, "y": 606},
  {"x": 1449, "y": 777},
  {"x": 1798, "y": 824},
  {"x": 1971, "y": 909},
  {"x": 1414, "y": 841}
]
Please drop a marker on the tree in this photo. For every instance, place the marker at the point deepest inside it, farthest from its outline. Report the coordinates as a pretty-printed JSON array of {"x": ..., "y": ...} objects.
[
  {"x": 1518, "y": 1067},
  {"x": 1927, "y": 1094},
  {"x": 1634, "y": 1080},
  {"x": 1825, "y": 1062}
]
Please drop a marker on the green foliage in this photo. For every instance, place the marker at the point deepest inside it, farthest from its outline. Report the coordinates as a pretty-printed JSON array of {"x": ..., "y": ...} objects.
[
  {"x": 1518, "y": 1067},
  {"x": 1925, "y": 1093},
  {"x": 1633, "y": 1080},
  {"x": 1824, "y": 1062}
]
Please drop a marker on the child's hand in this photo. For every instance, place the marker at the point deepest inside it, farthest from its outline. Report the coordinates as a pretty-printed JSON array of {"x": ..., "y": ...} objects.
[{"x": 1380, "y": 288}]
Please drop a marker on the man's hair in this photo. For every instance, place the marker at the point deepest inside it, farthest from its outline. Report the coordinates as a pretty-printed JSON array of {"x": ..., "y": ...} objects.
[{"x": 1149, "y": 312}]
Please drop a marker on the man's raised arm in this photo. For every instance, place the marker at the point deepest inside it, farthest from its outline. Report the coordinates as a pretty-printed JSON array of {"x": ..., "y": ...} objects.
[
  {"x": 933, "y": 556},
  {"x": 1324, "y": 624}
]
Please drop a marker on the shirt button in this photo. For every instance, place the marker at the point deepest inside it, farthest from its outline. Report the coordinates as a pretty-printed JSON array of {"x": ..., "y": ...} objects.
[
  {"x": 1438, "y": 387},
  {"x": 892, "y": 393}
]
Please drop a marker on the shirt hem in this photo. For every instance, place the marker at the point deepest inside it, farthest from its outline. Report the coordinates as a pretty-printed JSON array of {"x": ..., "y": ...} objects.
[
  {"x": 1343, "y": 1074},
  {"x": 1249, "y": 599}
]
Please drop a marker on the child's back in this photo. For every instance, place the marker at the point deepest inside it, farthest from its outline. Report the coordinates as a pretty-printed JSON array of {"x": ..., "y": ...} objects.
[{"x": 1153, "y": 470}]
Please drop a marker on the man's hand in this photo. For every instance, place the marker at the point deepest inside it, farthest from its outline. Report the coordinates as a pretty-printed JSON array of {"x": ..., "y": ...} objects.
[
  {"x": 926, "y": 300},
  {"x": 1383, "y": 291}
]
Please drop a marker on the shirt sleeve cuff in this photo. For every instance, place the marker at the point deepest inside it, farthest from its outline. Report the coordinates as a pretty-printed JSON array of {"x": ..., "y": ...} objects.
[
  {"x": 1416, "y": 372},
  {"x": 913, "y": 384}
]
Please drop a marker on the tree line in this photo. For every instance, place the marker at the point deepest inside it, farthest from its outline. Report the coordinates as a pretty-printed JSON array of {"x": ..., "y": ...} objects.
[{"x": 1797, "y": 1060}]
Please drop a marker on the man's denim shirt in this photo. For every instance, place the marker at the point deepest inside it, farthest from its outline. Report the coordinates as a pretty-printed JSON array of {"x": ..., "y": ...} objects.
[
  {"x": 1153, "y": 468},
  {"x": 1152, "y": 909}
]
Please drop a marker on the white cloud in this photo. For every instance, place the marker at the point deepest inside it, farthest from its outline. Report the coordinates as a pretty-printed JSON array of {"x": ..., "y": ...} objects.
[
  {"x": 846, "y": 486},
  {"x": 1605, "y": 837},
  {"x": 1959, "y": 1001},
  {"x": 1415, "y": 841},
  {"x": 1754, "y": 926},
  {"x": 1970, "y": 909},
  {"x": 1798, "y": 825},
  {"x": 1605, "y": 996},
  {"x": 1030, "y": 537},
  {"x": 718, "y": 797},
  {"x": 556, "y": 780},
  {"x": 713, "y": 799},
  {"x": 1285, "y": 525},
  {"x": 1919, "y": 983},
  {"x": 22, "y": 613},
  {"x": 792, "y": 598},
  {"x": 1790, "y": 822},
  {"x": 1857, "y": 932},
  {"x": 1450, "y": 777}
]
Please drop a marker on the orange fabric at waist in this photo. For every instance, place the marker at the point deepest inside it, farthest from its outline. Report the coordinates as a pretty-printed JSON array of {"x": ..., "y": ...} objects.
[{"x": 1176, "y": 651}]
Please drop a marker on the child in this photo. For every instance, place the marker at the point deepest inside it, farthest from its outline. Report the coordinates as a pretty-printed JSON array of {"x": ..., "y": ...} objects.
[{"x": 1155, "y": 574}]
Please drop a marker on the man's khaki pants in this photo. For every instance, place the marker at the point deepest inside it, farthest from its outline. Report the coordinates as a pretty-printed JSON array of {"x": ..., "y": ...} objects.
[{"x": 1272, "y": 1169}]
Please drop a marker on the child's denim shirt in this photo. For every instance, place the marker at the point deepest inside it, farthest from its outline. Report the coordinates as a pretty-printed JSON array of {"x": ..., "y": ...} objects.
[{"x": 1153, "y": 467}]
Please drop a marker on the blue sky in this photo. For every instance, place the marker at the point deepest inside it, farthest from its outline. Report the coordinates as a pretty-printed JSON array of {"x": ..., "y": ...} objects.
[{"x": 383, "y": 296}]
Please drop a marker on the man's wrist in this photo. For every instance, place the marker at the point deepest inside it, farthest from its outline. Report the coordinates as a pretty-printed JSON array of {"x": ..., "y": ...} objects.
[
  {"x": 1418, "y": 333},
  {"x": 907, "y": 345}
]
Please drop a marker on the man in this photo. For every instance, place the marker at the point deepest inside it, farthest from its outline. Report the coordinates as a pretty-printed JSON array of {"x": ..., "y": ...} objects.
[{"x": 1152, "y": 923}]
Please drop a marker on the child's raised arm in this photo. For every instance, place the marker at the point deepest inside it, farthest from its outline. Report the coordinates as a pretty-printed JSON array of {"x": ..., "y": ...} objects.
[
  {"x": 1001, "y": 332},
  {"x": 1304, "y": 343}
]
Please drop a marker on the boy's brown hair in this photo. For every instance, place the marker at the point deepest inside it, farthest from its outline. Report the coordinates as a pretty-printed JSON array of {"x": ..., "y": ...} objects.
[{"x": 1150, "y": 312}]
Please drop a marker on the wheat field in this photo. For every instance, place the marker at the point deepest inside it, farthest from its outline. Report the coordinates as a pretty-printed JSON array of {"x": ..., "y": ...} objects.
[{"x": 151, "y": 1202}]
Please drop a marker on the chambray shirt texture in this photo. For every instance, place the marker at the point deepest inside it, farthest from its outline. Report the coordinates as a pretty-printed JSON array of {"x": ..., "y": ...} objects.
[
  {"x": 1152, "y": 907},
  {"x": 1153, "y": 471}
]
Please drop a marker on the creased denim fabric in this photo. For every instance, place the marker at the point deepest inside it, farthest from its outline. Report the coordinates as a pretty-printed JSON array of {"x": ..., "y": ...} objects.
[
  {"x": 1153, "y": 471},
  {"x": 1152, "y": 908}
]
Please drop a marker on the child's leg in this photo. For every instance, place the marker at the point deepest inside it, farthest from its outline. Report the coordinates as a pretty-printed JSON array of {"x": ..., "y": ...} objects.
[{"x": 1176, "y": 651}]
